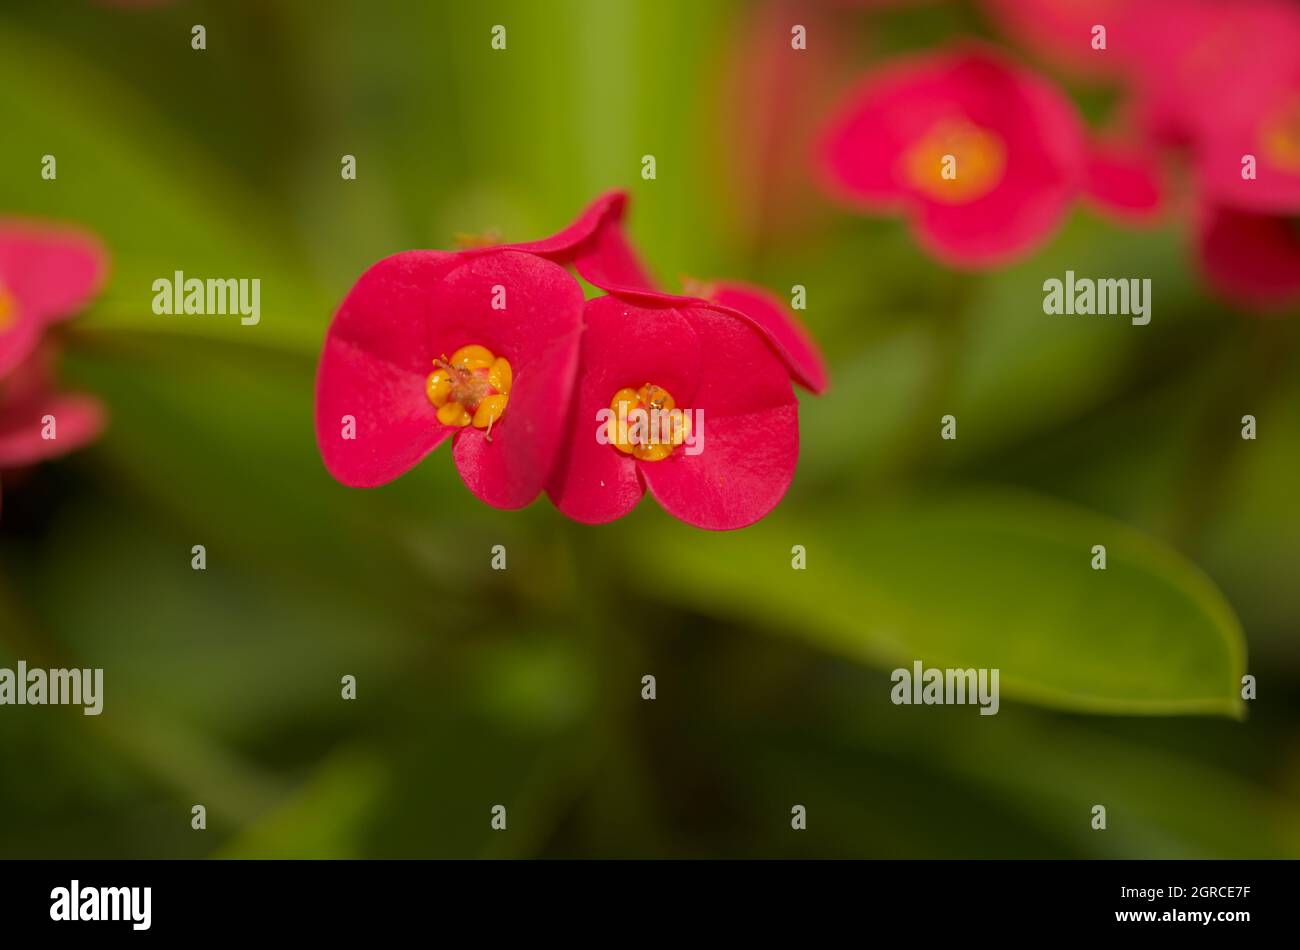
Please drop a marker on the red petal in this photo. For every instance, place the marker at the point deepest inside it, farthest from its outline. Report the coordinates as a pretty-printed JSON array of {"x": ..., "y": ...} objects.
[
  {"x": 1253, "y": 258},
  {"x": 623, "y": 345},
  {"x": 18, "y": 338},
  {"x": 538, "y": 332},
  {"x": 1123, "y": 182},
  {"x": 376, "y": 357},
  {"x": 781, "y": 326},
  {"x": 751, "y": 431},
  {"x": 588, "y": 220},
  {"x": 607, "y": 259}
]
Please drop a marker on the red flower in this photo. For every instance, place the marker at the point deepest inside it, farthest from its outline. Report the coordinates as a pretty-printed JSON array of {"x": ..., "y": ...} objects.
[
  {"x": 479, "y": 344},
  {"x": 984, "y": 157},
  {"x": 387, "y": 393},
  {"x": 727, "y": 465}
]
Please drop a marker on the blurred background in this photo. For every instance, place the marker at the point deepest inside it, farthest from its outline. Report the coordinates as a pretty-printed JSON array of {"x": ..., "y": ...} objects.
[{"x": 523, "y": 687}]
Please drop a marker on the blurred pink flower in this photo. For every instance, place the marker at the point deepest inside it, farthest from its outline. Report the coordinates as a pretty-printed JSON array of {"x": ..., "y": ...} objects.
[
  {"x": 1251, "y": 258},
  {"x": 47, "y": 273},
  {"x": 983, "y": 156},
  {"x": 1203, "y": 64},
  {"x": 1061, "y": 32},
  {"x": 1222, "y": 80},
  {"x": 31, "y": 408}
]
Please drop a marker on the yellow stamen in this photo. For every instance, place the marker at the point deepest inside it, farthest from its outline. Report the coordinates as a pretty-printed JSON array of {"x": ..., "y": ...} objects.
[
  {"x": 1280, "y": 137},
  {"x": 453, "y": 414},
  {"x": 500, "y": 376},
  {"x": 8, "y": 310},
  {"x": 472, "y": 357},
  {"x": 653, "y": 433},
  {"x": 955, "y": 162},
  {"x": 472, "y": 388},
  {"x": 489, "y": 411}
]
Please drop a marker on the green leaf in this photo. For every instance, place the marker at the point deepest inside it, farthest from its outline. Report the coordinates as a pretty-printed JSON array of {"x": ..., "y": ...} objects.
[
  {"x": 987, "y": 579},
  {"x": 160, "y": 204}
]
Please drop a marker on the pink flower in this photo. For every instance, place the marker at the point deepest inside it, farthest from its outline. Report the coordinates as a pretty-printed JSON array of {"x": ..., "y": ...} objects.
[
  {"x": 1061, "y": 32},
  {"x": 982, "y": 156},
  {"x": 1203, "y": 63},
  {"x": 47, "y": 273},
  {"x": 37, "y": 421},
  {"x": 1252, "y": 258},
  {"x": 481, "y": 345},
  {"x": 678, "y": 353},
  {"x": 1248, "y": 156}
]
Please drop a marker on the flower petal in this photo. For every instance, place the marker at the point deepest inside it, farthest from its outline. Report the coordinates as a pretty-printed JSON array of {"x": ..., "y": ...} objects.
[
  {"x": 780, "y": 325},
  {"x": 538, "y": 330},
  {"x": 51, "y": 270},
  {"x": 623, "y": 345},
  {"x": 1252, "y": 258},
  {"x": 78, "y": 419},
  {"x": 750, "y": 440},
  {"x": 1123, "y": 182},
  {"x": 607, "y": 259},
  {"x": 607, "y": 210},
  {"x": 878, "y": 120},
  {"x": 376, "y": 357},
  {"x": 20, "y": 332}
]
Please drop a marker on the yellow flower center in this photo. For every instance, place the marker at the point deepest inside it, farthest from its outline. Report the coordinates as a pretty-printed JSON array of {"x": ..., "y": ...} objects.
[
  {"x": 646, "y": 423},
  {"x": 8, "y": 309},
  {"x": 472, "y": 388},
  {"x": 955, "y": 162},
  {"x": 1280, "y": 137}
]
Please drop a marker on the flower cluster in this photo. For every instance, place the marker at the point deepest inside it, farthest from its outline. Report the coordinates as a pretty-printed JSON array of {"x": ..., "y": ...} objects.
[
  {"x": 985, "y": 157},
  {"x": 47, "y": 274},
  {"x": 496, "y": 349}
]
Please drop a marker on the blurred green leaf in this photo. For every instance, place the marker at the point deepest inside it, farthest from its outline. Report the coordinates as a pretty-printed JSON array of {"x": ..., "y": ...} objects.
[
  {"x": 983, "y": 579},
  {"x": 160, "y": 204},
  {"x": 325, "y": 818}
]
